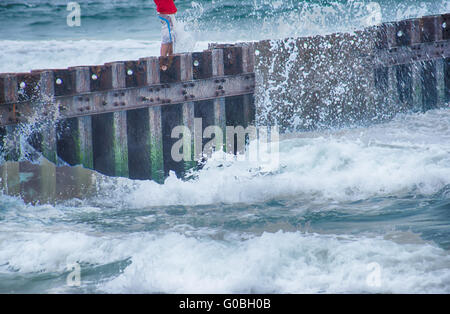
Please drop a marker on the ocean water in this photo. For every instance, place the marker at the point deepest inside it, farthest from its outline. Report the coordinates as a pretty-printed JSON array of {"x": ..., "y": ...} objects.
[{"x": 354, "y": 210}]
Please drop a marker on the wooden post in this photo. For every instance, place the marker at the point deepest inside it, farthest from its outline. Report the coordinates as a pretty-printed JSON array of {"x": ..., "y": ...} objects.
[
  {"x": 75, "y": 134},
  {"x": 248, "y": 66},
  {"x": 110, "y": 145},
  {"x": 47, "y": 132},
  {"x": 188, "y": 113},
  {"x": 145, "y": 152},
  {"x": 405, "y": 33},
  {"x": 11, "y": 133}
]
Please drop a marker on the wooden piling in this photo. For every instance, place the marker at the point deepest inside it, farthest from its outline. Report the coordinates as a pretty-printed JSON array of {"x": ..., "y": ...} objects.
[
  {"x": 145, "y": 152},
  {"x": 75, "y": 134},
  {"x": 11, "y": 137},
  {"x": 110, "y": 146},
  {"x": 405, "y": 33}
]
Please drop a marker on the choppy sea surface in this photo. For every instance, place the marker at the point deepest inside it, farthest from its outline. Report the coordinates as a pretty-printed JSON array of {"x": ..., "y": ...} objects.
[{"x": 355, "y": 210}]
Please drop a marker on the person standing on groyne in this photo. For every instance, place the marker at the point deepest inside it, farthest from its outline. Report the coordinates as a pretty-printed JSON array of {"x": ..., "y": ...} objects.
[{"x": 166, "y": 12}]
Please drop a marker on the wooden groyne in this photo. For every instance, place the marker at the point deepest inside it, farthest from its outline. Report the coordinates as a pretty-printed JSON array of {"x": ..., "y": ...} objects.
[{"x": 118, "y": 118}]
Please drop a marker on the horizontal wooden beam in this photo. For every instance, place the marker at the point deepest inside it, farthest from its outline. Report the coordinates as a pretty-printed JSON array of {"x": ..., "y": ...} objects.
[
  {"x": 407, "y": 54},
  {"x": 120, "y": 99}
]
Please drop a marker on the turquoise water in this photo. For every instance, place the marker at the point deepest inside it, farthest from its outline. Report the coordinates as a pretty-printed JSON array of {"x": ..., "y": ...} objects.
[{"x": 338, "y": 206}]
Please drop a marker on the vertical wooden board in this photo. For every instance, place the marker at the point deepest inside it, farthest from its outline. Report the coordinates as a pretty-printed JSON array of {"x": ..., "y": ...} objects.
[
  {"x": 429, "y": 29},
  {"x": 3, "y": 82},
  {"x": 249, "y": 109},
  {"x": 84, "y": 138},
  {"x": 101, "y": 78},
  {"x": 202, "y": 64},
  {"x": 416, "y": 77},
  {"x": 447, "y": 79},
  {"x": 234, "y": 112},
  {"x": 67, "y": 137},
  {"x": 406, "y": 32},
  {"x": 429, "y": 93},
  {"x": 152, "y": 70},
  {"x": 135, "y": 73},
  {"x": 218, "y": 62},
  {"x": 394, "y": 98},
  {"x": 28, "y": 86},
  {"x": 186, "y": 67},
  {"x": 204, "y": 110},
  {"x": 445, "y": 25},
  {"x": 75, "y": 135},
  {"x": 156, "y": 144},
  {"x": 169, "y": 68},
  {"x": 138, "y": 128},
  {"x": 232, "y": 58},
  {"x": 64, "y": 82},
  {"x": 404, "y": 86},
  {"x": 440, "y": 82},
  {"x": 220, "y": 121},
  {"x": 172, "y": 116},
  {"x": 120, "y": 146},
  {"x": 103, "y": 141},
  {"x": 188, "y": 112}
]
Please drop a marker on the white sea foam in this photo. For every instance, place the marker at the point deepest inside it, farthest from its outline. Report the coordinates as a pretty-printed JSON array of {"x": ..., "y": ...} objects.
[
  {"x": 408, "y": 155},
  {"x": 24, "y": 56},
  {"x": 273, "y": 262}
]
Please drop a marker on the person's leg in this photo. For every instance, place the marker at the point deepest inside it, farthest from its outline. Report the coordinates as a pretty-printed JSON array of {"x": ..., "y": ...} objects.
[
  {"x": 166, "y": 50},
  {"x": 166, "y": 36}
]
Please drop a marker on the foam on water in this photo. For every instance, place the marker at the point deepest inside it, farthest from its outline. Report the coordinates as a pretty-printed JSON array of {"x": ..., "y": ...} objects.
[
  {"x": 408, "y": 155},
  {"x": 284, "y": 262}
]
